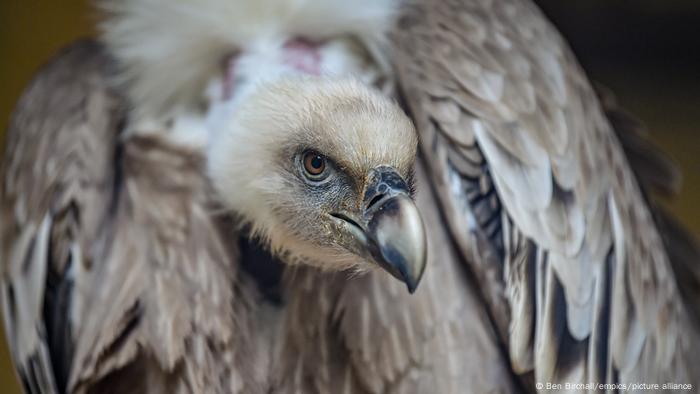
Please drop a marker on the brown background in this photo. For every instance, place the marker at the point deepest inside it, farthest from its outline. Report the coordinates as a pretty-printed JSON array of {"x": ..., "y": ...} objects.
[{"x": 646, "y": 51}]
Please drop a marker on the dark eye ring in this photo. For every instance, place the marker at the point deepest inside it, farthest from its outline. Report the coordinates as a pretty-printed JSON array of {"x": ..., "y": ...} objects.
[{"x": 315, "y": 165}]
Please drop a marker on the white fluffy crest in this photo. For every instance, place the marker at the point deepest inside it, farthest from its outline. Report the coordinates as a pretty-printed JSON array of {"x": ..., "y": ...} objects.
[{"x": 168, "y": 50}]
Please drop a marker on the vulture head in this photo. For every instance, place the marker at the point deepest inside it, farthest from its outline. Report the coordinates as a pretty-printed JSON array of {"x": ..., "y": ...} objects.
[
  {"x": 322, "y": 169},
  {"x": 300, "y": 147}
]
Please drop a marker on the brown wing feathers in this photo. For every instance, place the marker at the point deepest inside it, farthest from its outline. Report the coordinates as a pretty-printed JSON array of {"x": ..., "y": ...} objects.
[
  {"x": 110, "y": 255},
  {"x": 495, "y": 78},
  {"x": 57, "y": 180}
]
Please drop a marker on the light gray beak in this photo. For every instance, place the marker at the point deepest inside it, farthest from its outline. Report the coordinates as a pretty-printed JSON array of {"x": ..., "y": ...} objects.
[{"x": 390, "y": 231}]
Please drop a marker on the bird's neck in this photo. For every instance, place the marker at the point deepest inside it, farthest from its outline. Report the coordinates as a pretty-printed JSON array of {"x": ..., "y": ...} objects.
[{"x": 265, "y": 60}]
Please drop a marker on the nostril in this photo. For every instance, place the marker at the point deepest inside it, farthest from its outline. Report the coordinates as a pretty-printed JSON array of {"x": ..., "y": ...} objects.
[{"x": 375, "y": 200}]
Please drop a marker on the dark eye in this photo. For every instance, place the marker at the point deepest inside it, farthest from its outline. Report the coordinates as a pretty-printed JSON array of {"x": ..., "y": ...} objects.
[{"x": 314, "y": 165}]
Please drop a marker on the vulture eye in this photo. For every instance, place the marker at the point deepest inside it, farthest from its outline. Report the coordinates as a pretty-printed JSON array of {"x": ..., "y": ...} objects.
[{"x": 314, "y": 165}]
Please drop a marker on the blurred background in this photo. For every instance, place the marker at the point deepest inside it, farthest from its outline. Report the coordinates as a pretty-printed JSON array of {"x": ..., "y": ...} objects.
[{"x": 646, "y": 51}]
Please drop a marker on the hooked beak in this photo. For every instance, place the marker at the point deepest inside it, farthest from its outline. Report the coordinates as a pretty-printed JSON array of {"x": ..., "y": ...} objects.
[{"x": 389, "y": 231}]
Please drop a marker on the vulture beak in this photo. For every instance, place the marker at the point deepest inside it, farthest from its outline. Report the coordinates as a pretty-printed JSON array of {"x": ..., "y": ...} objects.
[{"x": 389, "y": 230}]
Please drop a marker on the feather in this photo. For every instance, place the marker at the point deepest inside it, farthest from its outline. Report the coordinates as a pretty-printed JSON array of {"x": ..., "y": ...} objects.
[
  {"x": 98, "y": 275},
  {"x": 168, "y": 52},
  {"x": 603, "y": 278}
]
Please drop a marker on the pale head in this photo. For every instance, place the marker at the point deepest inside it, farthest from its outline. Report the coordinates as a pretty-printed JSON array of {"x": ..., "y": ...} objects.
[{"x": 322, "y": 169}]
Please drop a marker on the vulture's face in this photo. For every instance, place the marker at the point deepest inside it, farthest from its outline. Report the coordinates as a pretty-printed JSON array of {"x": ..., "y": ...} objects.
[{"x": 323, "y": 170}]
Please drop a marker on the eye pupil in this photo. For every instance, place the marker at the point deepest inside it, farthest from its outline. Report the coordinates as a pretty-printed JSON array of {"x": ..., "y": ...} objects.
[
  {"x": 314, "y": 163},
  {"x": 317, "y": 162}
]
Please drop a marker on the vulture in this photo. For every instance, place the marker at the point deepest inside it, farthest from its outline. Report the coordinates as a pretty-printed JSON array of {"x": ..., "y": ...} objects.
[{"x": 234, "y": 196}]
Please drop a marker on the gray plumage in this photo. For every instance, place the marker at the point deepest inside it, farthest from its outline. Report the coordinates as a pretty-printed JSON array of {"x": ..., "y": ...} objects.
[{"x": 547, "y": 261}]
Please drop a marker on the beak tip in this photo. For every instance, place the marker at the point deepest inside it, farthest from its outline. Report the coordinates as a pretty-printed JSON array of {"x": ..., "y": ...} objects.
[
  {"x": 402, "y": 266},
  {"x": 411, "y": 286},
  {"x": 412, "y": 281}
]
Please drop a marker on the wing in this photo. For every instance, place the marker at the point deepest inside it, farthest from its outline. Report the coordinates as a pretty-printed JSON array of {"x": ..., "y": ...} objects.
[
  {"x": 57, "y": 184},
  {"x": 115, "y": 277},
  {"x": 658, "y": 175},
  {"x": 522, "y": 156}
]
